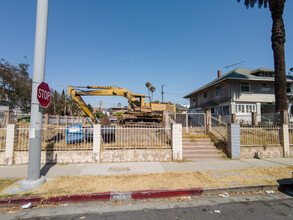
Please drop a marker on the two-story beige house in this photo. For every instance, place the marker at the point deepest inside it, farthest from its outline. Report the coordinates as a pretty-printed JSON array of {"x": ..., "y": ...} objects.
[{"x": 240, "y": 91}]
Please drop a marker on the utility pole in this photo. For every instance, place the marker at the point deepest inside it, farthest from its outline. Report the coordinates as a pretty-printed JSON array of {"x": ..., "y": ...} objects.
[
  {"x": 35, "y": 134},
  {"x": 162, "y": 93}
]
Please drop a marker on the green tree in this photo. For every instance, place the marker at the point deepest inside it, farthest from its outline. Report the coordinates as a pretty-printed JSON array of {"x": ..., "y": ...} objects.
[
  {"x": 51, "y": 107},
  {"x": 152, "y": 89},
  {"x": 56, "y": 98},
  {"x": 278, "y": 39},
  {"x": 148, "y": 85},
  {"x": 15, "y": 85},
  {"x": 62, "y": 103},
  {"x": 99, "y": 115},
  {"x": 90, "y": 107}
]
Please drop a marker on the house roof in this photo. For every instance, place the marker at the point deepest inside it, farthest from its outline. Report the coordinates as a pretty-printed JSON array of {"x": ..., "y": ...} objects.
[{"x": 260, "y": 74}]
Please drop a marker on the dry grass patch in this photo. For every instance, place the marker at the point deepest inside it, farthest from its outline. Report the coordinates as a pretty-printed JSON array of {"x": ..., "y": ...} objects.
[
  {"x": 5, "y": 183},
  {"x": 196, "y": 136}
]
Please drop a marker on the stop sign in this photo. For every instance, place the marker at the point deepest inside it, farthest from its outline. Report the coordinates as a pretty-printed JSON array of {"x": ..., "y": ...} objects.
[{"x": 44, "y": 94}]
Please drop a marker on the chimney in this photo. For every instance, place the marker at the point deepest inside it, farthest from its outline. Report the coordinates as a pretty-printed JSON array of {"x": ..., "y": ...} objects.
[{"x": 219, "y": 73}]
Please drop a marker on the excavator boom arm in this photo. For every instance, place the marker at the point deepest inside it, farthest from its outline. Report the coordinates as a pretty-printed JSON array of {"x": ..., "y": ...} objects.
[{"x": 81, "y": 104}]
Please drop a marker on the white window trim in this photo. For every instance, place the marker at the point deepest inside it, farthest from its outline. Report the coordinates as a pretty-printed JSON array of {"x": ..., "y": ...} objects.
[{"x": 244, "y": 107}]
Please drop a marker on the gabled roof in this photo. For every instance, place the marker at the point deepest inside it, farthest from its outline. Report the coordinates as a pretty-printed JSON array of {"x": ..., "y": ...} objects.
[{"x": 260, "y": 74}]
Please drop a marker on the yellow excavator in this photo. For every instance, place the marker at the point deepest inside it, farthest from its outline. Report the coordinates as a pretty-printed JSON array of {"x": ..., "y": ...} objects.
[{"x": 138, "y": 109}]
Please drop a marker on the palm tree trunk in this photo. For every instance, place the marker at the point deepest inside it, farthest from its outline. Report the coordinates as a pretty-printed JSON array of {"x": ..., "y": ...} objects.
[{"x": 278, "y": 40}]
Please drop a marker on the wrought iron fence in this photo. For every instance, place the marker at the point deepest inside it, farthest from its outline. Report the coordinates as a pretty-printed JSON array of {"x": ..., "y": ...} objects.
[
  {"x": 135, "y": 137},
  {"x": 218, "y": 128},
  {"x": 260, "y": 136},
  {"x": 2, "y": 139},
  {"x": 58, "y": 138},
  {"x": 192, "y": 122}
]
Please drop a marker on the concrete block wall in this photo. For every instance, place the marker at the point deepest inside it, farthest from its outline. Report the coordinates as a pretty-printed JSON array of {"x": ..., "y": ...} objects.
[
  {"x": 147, "y": 155},
  {"x": 233, "y": 145},
  {"x": 2, "y": 158},
  {"x": 262, "y": 152},
  {"x": 60, "y": 157}
]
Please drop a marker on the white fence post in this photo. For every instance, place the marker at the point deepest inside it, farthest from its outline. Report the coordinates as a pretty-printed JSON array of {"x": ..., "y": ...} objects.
[
  {"x": 9, "y": 144},
  {"x": 177, "y": 141},
  {"x": 96, "y": 143},
  {"x": 284, "y": 136}
]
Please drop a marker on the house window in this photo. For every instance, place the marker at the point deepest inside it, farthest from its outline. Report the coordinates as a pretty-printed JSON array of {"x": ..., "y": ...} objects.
[
  {"x": 226, "y": 110},
  {"x": 288, "y": 88},
  {"x": 218, "y": 90},
  {"x": 245, "y": 108},
  {"x": 264, "y": 85},
  {"x": 245, "y": 87},
  {"x": 205, "y": 94}
]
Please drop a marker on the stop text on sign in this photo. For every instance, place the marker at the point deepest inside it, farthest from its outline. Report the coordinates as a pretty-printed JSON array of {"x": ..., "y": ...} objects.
[{"x": 43, "y": 94}]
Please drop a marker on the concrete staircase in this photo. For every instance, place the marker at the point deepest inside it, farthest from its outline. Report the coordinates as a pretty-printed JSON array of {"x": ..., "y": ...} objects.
[{"x": 198, "y": 147}]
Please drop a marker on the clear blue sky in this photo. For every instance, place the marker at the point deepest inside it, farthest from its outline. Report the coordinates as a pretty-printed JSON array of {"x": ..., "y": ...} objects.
[{"x": 178, "y": 43}]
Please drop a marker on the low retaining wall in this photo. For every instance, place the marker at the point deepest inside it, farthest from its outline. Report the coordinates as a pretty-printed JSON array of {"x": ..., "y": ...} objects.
[
  {"x": 106, "y": 156},
  {"x": 2, "y": 156},
  {"x": 148, "y": 155},
  {"x": 262, "y": 152},
  {"x": 21, "y": 157}
]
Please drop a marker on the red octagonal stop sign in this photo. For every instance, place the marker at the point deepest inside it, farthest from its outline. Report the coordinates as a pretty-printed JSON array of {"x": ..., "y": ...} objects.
[{"x": 44, "y": 94}]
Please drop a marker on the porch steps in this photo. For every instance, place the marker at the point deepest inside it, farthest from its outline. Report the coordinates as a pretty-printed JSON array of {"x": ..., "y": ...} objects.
[{"x": 199, "y": 147}]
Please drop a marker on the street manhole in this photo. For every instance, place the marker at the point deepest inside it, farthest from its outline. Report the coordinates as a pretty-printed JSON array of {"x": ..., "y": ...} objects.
[{"x": 118, "y": 169}]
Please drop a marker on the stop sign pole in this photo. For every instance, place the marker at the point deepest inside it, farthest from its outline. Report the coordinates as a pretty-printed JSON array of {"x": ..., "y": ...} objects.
[{"x": 34, "y": 178}]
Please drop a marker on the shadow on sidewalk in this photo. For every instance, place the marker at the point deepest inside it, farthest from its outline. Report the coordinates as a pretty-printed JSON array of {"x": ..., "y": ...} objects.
[
  {"x": 286, "y": 186},
  {"x": 50, "y": 161}
]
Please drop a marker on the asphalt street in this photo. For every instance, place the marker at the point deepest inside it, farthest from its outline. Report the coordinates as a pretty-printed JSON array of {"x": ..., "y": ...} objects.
[
  {"x": 249, "y": 206},
  {"x": 280, "y": 209}
]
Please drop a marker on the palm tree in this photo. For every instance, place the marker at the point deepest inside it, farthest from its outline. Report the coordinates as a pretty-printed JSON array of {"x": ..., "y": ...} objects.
[
  {"x": 278, "y": 39},
  {"x": 148, "y": 85},
  {"x": 152, "y": 89}
]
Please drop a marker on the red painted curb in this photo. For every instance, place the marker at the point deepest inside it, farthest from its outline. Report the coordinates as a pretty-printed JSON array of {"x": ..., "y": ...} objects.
[
  {"x": 106, "y": 196},
  {"x": 21, "y": 200},
  {"x": 83, "y": 197},
  {"x": 165, "y": 193}
]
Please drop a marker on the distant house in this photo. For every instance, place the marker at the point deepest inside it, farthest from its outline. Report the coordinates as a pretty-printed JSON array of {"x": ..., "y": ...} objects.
[
  {"x": 181, "y": 109},
  {"x": 240, "y": 91},
  {"x": 115, "y": 110}
]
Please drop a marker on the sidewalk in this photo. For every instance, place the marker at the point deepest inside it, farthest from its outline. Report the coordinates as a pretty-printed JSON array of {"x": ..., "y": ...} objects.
[{"x": 51, "y": 170}]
